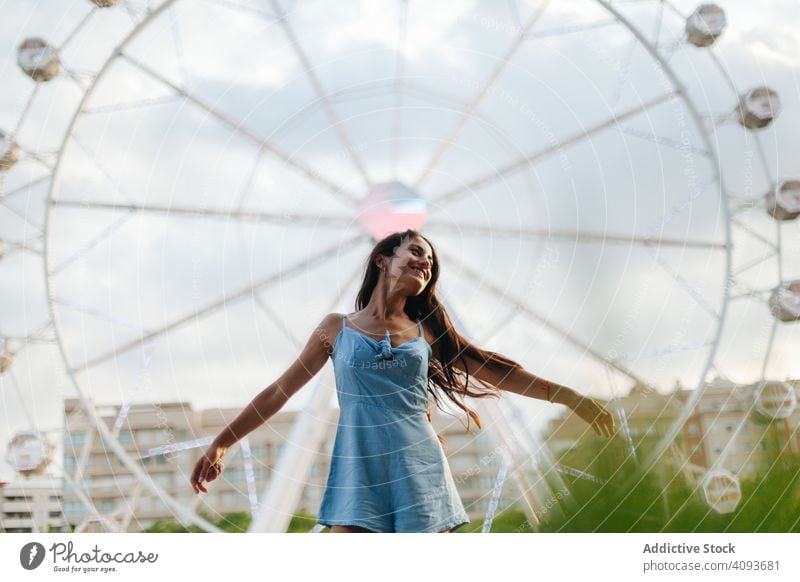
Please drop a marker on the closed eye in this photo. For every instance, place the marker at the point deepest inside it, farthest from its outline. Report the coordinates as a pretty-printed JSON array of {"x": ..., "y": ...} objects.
[{"x": 418, "y": 251}]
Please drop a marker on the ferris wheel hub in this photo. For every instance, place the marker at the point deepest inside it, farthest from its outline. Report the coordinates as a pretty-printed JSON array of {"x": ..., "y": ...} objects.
[{"x": 391, "y": 207}]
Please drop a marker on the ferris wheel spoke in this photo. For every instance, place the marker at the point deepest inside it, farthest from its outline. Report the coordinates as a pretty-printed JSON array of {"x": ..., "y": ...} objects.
[
  {"x": 768, "y": 174},
  {"x": 141, "y": 104},
  {"x": 77, "y": 487},
  {"x": 94, "y": 312},
  {"x": 659, "y": 24},
  {"x": 249, "y": 10},
  {"x": 272, "y": 316},
  {"x": 572, "y": 235},
  {"x": 363, "y": 91},
  {"x": 16, "y": 246},
  {"x": 522, "y": 307},
  {"x": 136, "y": 14},
  {"x": 756, "y": 235},
  {"x": 747, "y": 205},
  {"x": 624, "y": 72},
  {"x": 630, "y": 2},
  {"x": 260, "y": 142},
  {"x": 37, "y": 337},
  {"x": 575, "y": 138},
  {"x": 107, "y": 173},
  {"x": 248, "y": 184},
  {"x": 657, "y": 352},
  {"x": 77, "y": 28},
  {"x": 400, "y": 66},
  {"x": 22, "y": 217},
  {"x": 83, "y": 81},
  {"x": 177, "y": 43},
  {"x": 467, "y": 114},
  {"x": 564, "y": 30},
  {"x": 754, "y": 262},
  {"x": 747, "y": 292},
  {"x": 24, "y": 188},
  {"x": 282, "y": 218},
  {"x": 91, "y": 244},
  {"x": 684, "y": 284},
  {"x": 26, "y": 110},
  {"x": 310, "y": 71},
  {"x": 211, "y": 308},
  {"x": 20, "y": 396},
  {"x": 770, "y": 342},
  {"x": 513, "y": 11},
  {"x": 42, "y": 157},
  {"x": 666, "y": 141}
]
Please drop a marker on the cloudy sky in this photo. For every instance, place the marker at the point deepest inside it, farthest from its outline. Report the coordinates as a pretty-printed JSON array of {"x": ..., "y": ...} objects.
[{"x": 208, "y": 179}]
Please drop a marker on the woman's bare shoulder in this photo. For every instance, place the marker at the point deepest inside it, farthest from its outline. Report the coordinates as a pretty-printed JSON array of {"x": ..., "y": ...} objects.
[{"x": 332, "y": 321}]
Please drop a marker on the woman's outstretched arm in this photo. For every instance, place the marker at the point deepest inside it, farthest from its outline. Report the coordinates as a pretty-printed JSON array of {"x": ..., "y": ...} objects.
[
  {"x": 521, "y": 381},
  {"x": 267, "y": 402}
]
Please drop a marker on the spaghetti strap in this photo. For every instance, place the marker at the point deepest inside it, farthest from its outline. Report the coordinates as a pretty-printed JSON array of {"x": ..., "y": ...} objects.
[
  {"x": 344, "y": 321},
  {"x": 421, "y": 332}
]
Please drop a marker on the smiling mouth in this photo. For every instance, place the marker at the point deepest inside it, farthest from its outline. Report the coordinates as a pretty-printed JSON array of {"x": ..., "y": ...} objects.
[{"x": 419, "y": 273}]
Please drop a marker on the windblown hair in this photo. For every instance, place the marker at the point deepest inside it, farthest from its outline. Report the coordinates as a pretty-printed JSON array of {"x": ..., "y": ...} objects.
[{"x": 442, "y": 375}]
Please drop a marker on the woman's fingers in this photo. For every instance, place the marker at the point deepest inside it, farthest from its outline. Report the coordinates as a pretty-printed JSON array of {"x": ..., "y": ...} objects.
[
  {"x": 215, "y": 471},
  {"x": 205, "y": 471},
  {"x": 195, "y": 479},
  {"x": 601, "y": 420},
  {"x": 199, "y": 475}
]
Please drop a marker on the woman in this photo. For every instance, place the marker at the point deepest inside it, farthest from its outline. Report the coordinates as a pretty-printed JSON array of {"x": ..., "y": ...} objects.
[{"x": 388, "y": 471}]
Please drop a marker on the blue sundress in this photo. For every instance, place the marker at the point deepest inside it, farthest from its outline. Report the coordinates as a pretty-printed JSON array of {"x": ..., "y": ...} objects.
[{"x": 388, "y": 471}]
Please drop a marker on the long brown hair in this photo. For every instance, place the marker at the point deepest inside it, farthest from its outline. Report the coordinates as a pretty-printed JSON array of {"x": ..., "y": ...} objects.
[{"x": 453, "y": 382}]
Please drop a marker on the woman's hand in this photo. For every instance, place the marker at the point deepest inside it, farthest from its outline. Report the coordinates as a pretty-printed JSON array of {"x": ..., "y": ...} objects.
[
  {"x": 208, "y": 467},
  {"x": 600, "y": 419}
]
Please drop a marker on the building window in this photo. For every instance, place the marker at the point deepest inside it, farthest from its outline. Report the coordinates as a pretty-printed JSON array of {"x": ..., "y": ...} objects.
[
  {"x": 162, "y": 479},
  {"x": 106, "y": 506},
  {"x": 153, "y": 437},
  {"x": 75, "y": 439},
  {"x": 73, "y": 508},
  {"x": 125, "y": 437}
]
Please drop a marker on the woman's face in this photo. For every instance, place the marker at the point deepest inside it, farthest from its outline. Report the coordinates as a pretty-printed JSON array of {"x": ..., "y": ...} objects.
[{"x": 411, "y": 266}]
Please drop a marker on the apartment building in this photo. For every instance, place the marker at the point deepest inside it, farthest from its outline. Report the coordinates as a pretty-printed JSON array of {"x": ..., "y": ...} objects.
[{"x": 31, "y": 505}]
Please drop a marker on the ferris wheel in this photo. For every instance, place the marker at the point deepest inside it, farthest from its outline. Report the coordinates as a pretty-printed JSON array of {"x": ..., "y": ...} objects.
[{"x": 226, "y": 157}]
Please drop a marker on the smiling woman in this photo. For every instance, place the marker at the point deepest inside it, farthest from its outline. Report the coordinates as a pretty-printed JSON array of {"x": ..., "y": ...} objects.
[{"x": 388, "y": 471}]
